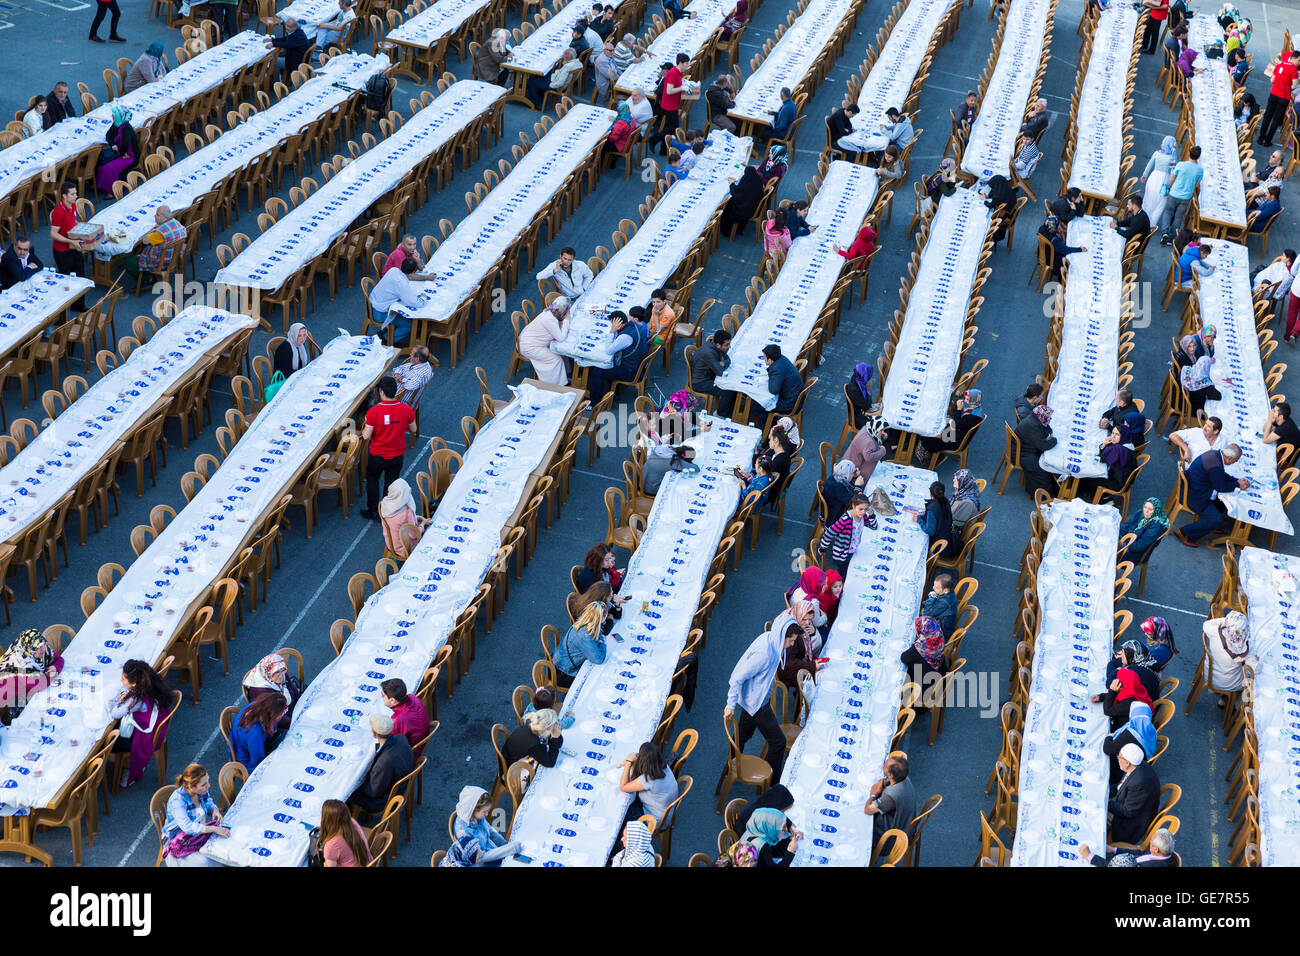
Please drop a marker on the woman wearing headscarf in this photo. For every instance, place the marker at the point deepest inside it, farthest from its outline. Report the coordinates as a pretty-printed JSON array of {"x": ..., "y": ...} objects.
[
  {"x": 968, "y": 414},
  {"x": 1227, "y": 640},
  {"x": 776, "y": 797},
  {"x": 839, "y": 490},
  {"x": 942, "y": 182},
  {"x": 1160, "y": 641},
  {"x": 1001, "y": 198},
  {"x": 291, "y": 355},
  {"x": 859, "y": 392},
  {"x": 1149, "y": 523},
  {"x": 119, "y": 153},
  {"x": 271, "y": 676},
  {"x": 490, "y": 60},
  {"x": 965, "y": 500},
  {"x": 1139, "y": 730},
  {"x": 791, "y": 430},
  {"x": 814, "y": 586},
  {"x": 925, "y": 655},
  {"x": 860, "y": 249},
  {"x": 149, "y": 68},
  {"x": 1035, "y": 434},
  {"x": 738, "y": 18},
  {"x": 1124, "y": 689},
  {"x": 1203, "y": 341},
  {"x": 472, "y": 809},
  {"x": 866, "y": 450},
  {"x": 397, "y": 509},
  {"x": 1134, "y": 655},
  {"x": 638, "y": 848},
  {"x": 1156, "y": 176},
  {"x": 936, "y": 519},
  {"x": 769, "y": 838},
  {"x": 1197, "y": 379},
  {"x": 772, "y": 168},
  {"x": 746, "y": 194},
  {"x": 620, "y": 132},
  {"x": 1118, "y": 453},
  {"x": 26, "y": 668},
  {"x": 797, "y": 621},
  {"x": 535, "y": 339}
]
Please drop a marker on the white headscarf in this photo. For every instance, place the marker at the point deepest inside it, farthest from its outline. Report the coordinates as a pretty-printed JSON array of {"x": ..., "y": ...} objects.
[
  {"x": 637, "y": 847},
  {"x": 844, "y": 470},
  {"x": 300, "y": 355},
  {"x": 790, "y": 430},
  {"x": 264, "y": 674},
  {"x": 466, "y": 802},
  {"x": 399, "y": 498}
]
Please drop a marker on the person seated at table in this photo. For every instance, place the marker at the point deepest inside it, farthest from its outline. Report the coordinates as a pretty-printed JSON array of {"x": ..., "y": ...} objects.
[
  {"x": 148, "y": 68},
  {"x": 413, "y": 374},
  {"x": 776, "y": 235},
  {"x": 1139, "y": 730},
  {"x": 19, "y": 263},
  {"x": 558, "y": 79},
  {"x": 968, "y": 414},
  {"x": 1148, "y": 524},
  {"x": 58, "y": 106},
  {"x": 119, "y": 154},
  {"x": 942, "y": 182},
  {"x": 630, "y": 346},
  {"x": 1176, "y": 42},
  {"x": 1118, "y": 453},
  {"x": 606, "y": 70},
  {"x": 783, "y": 379},
  {"x": 1037, "y": 119},
  {"x": 867, "y": 449},
  {"x": 192, "y": 818},
  {"x": 969, "y": 108},
  {"x": 859, "y": 392},
  {"x": 708, "y": 362},
  {"x": 1069, "y": 205},
  {"x": 396, "y": 510},
  {"x": 1136, "y": 224},
  {"x": 1228, "y": 641},
  {"x": 1280, "y": 429},
  {"x": 812, "y": 587},
  {"x": 674, "y": 169},
  {"x": 292, "y": 43},
  {"x": 1054, "y": 232},
  {"x": 292, "y": 354},
  {"x": 797, "y": 218},
  {"x": 143, "y": 703},
  {"x": 646, "y": 774},
  {"x": 897, "y": 128},
  {"x": 924, "y": 656},
  {"x": 1122, "y": 691},
  {"x": 1186, "y": 63},
  {"x": 406, "y": 249},
  {"x": 629, "y": 50},
  {"x": 777, "y": 797},
  {"x": 1135, "y": 656},
  {"x": 1035, "y": 435},
  {"x": 660, "y": 317},
  {"x": 602, "y": 21},
  {"x": 621, "y": 132},
  {"x": 583, "y": 641},
  {"x": 1245, "y": 110},
  {"x": 34, "y": 118},
  {"x": 579, "y": 42},
  {"x": 410, "y": 718},
  {"x": 891, "y": 165},
  {"x": 1027, "y": 156},
  {"x": 397, "y": 287},
  {"x": 548, "y": 698},
  {"x": 538, "y": 738},
  {"x": 1001, "y": 198},
  {"x": 803, "y": 641},
  {"x": 736, "y": 20},
  {"x": 491, "y": 57},
  {"x": 1137, "y": 798},
  {"x": 891, "y": 802},
  {"x": 393, "y": 760},
  {"x": 271, "y": 676},
  {"x": 861, "y": 248},
  {"x": 1207, "y": 481},
  {"x": 941, "y": 603},
  {"x": 759, "y": 480},
  {"x": 965, "y": 501},
  {"x": 840, "y": 123},
  {"x": 600, "y": 565},
  {"x": 332, "y": 30},
  {"x": 936, "y": 519},
  {"x": 535, "y": 339},
  {"x": 1034, "y": 395},
  {"x": 1161, "y": 852},
  {"x": 252, "y": 729},
  {"x": 746, "y": 194},
  {"x": 782, "y": 118},
  {"x": 779, "y": 450},
  {"x": 472, "y": 809},
  {"x": 840, "y": 488},
  {"x": 1160, "y": 641},
  {"x": 643, "y": 110},
  {"x": 769, "y": 840},
  {"x": 720, "y": 101},
  {"x": 635, "y": 847},
  {"x": 155, "y": 256},
  {"x": 773, "y": 166},
  {"x": 1261, "y": 216},
  {"x": 342, "y": 840},
  {"x": 691, "y": 148},
  {"x": 26, "y": 668},
  {"x": 1198, "y": 383},
  {"x": 1238, "y": 64}
]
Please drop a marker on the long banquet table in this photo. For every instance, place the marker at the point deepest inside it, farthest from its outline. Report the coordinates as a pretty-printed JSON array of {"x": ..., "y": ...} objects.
[
  {"x": 573, "y": 812},
  {"x": 178, "y": 187},
  {"x": 928, "y": 354},
  {"x": 466, "y": 257},
  {"x": 1002, "y": 108},
  {"x": 854, "y": 708},
  {"x": 307, "y": 230},
  {"x": 690, "y": 35},
  {"x": 1099, "y": 146},
  {"x": 1088, "y": 364},
  {"x": 787, "y": 311},
  {"x": 1221, "y": 195},
  {"x": 401, "y": 628},
  {"x": 655, "y": 251},
  {"x": 541, "y": 50},
  {"x": 1225, "y": 302},
  {"x": 31, "y": 305},
  {"x": 1064, "y": 775},
  {"x": 154, "y": 601},
  {"x": 1274, "y": 648}
]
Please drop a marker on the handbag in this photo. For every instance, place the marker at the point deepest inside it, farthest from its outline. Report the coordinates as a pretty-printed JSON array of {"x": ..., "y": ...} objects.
[
  {"x": 277, "y": 380},
  {"x": 186, "y": 844},
  {"x": 107, "y": 153}
]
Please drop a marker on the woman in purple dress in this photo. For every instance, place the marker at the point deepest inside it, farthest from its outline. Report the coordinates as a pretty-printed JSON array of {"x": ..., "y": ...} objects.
[{"x": 120, "y": 152}]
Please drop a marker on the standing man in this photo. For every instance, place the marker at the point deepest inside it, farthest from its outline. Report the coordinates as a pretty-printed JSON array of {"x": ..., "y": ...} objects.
[
  {"x": 58, "y": 106},
  {"x": 69, "y": 253},
  {"x": 102, "y": 9},
  {"x": 749, "y": 690},
  {"x": 572, "y": 277},
  {"x": 1207, "y": 478},
  {"x": 670, "y": 100},
  {"x": 387, "y": 425},
  {"x": 1183, "y": 179},
  {"x": 225, "y": 14},
  {"x": 892, "y": 801},
  {"x": 1283, "y": 73}
]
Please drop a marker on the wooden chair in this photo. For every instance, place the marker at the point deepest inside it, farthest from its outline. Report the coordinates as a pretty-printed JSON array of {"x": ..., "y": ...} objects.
[
  {"x": 71, "y": 811},
  {"x": 740, "y": 767}
]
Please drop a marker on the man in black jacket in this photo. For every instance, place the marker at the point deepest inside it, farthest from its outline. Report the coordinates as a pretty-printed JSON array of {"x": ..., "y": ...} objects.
[
  {"x": 841, "y": 122},
  {"x": 293, "y": 44},
  {"x": 783, "y": 379},
  {"x": 1123, "y": 405},
  {"x": 393, "y": 761},
  {"x": 58, "y": 105},
  {"x": 1160, "y": 854},
  {"x": 708, "y": 362},
  {"x": 1069, "y": 205},
  {"x": 1136, "y": 224},
  {"x": 19, "y": 263},
  {"x": 1037, "y": 119},
  {"x": 720, "y": 100},
  {"x": 1136, "y": 800}
]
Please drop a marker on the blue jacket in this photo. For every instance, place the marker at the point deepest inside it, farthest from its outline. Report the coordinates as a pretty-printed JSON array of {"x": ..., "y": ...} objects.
[
  {"x": 943, "y": 608},
  {"x": 784, "y": 382},
  {"x": 1205, "y": 475},
  {"x": 750, "y": 684},
  {"x": 575, "y": 647},
  {"x": 1140, "y": 550},
  {"x": 248, "y": 743},
  {"x": 1266, "y": 210},
  {"x": 784, "y": 117},
  {"x": 485, "y": 833}
]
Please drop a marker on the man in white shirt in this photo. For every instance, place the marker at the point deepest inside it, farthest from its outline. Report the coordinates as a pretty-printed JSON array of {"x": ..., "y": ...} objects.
[
  {"x": 1194, "y": 442},
  {"x": 413, "y": 374},
  {"x": 1281, "y": 271},
  {"x": 642, "y": 111},
  {"x": 573, "y": 278},
  {"x": 396, "y": 288},
  {"x": 329, "y": 31},
  {"x": 558, "y": 80},
  {"x": 594, "y": 39}
]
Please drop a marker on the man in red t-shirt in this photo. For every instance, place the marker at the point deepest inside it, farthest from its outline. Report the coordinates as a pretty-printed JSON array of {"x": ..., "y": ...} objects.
[
  {"x": 69, "y": 257},
  {"x": 1279, "y": 96},
  {"x": 670, "y": 101},
  {"x": 387, "y": 425},
  {"x": 1158, "y": 12}
]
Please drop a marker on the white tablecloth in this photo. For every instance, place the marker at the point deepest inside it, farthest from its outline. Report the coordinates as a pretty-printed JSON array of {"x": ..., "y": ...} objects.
[
  {"x": 437, "y": 21},
  {"x": 310, "y": 13},
  {"x": 1222, "y": 195},
  {"x": 891, "y": 78},
  {"x": 1226, "y": 304},
  {"x": 1064, "y": 774},
  {"x": 462, "y": 261},
  {"x": 542, "y": 49},
  {"x": 78, "y": 440},
  {"x": 1099, "y": 146},
  {"x": 1274, "y": 648},
  {"x": 655, "y": 250},
  {"x": 64, "y": 140},
  {"x": 192, "y": 177},
  {"x": 787, "y": 311},
  {"x": 929, "y": 347},
  {"x": 1002, "y": 109},
  {"x": 307, "y": 231},
  {"x": 841, "y": 751},
  {"x": 687, "y": 35},
  {"x": 27, "y": 306},
  {"x": 400, "y": 629},
  {"x": 1088, "y": 367},
  {"x": 791, "y": 59},
  {"x": 139, "y": 618},
  {"x": 573, "y": 812}
]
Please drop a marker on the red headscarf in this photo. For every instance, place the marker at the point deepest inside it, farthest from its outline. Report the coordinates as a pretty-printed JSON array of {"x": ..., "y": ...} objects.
[
  {"x": 830, "y": 601},
  {"x": 1130, "y": 687},
  {"x": 813, "y": 583}
]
